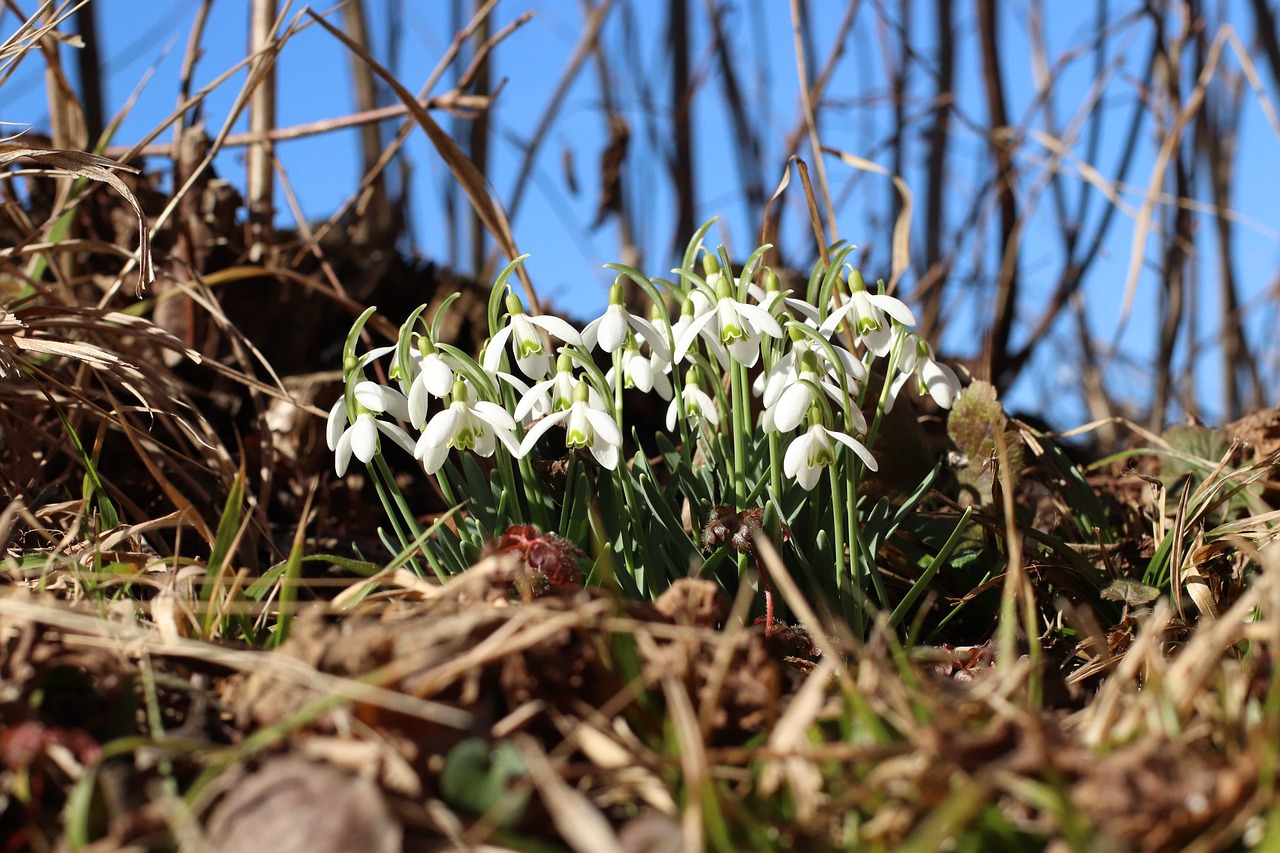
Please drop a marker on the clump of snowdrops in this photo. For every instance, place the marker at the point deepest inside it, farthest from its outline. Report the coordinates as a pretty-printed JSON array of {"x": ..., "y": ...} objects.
[{"x": 770, "y": 411}]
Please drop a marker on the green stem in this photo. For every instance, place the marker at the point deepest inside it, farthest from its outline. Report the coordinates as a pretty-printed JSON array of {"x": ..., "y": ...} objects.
[
  {"x": 397, "y": 509},
  {"x": 740, "y": 404}
]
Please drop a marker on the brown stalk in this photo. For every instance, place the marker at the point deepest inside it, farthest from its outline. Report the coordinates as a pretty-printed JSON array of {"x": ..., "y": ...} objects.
[
  {"x": 808, "y": 96},
  {"x": 748, "y": 150},
  {"x": 89, "y": 72},
  {"x": 682, "y": 92},
  {"x": 614, "y": 177},
  {"x": 1177, "y": 249},
  {"x": 373, "y": 225},
  {"x": 478, "y": 144},
  {"x": 1007, "y": 285},
  {"x": 1217, "y": 137},
  {"x": 939, "y": 140},
  {"x": 259, "y": 176}
]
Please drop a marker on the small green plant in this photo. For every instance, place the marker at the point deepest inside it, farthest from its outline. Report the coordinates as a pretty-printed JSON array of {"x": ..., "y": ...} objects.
[{"x": 771, "y": 407}]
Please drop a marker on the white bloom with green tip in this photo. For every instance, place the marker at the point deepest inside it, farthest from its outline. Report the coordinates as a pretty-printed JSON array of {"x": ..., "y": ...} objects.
[
  {"x": 808, "y": 454},
  {"x": 933, "y": 377},
  {"x": 738, "y": 325},
  {"x": 360, "y": 439},
  {"x": 585, "y": 426},
  {"x": 868, "y": 314},
  {"x": 698, "y": 404},
  {"x": 466, "y": 425},
  {"x": 611, "y": 329},
  {"x": 527, "y": 344}
]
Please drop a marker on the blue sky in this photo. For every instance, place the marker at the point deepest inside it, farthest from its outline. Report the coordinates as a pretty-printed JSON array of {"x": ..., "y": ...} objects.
[{"x": 567, "y": 259}]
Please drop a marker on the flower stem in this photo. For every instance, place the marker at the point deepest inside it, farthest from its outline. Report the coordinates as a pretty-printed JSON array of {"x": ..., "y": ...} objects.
[{"x": 398, "y": 512}]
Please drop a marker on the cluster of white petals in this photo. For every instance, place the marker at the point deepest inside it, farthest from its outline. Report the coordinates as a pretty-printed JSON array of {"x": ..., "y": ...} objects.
[{"x": 815, "y": 369}]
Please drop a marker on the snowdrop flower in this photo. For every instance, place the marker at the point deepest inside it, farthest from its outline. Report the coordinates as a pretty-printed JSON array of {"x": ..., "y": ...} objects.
[
  {"x": 694, "y": 306},
  {"x": 611, "y": 329},
  {"x": 814, "y": 450},
  {"x": 791, "y": 401},
  {"x": 361, "y": 437},
  {"x": 433, "y": 377},
  {"x": 933, "y": 378},
  {"x": 785, "y": 370},
  {"x": 555, "y": 393},
  {"x": 697, "y": 403},
  {"x": 585, "y": 426},
  {"x": 467, "y": 424},
  {"x": 739, "y": 325},
  {"x": 644, "y": 373},
  {"x": 530, "y": 351},
  {"x": 866, "y": 312},
  {"x": 777, "y": 301}
]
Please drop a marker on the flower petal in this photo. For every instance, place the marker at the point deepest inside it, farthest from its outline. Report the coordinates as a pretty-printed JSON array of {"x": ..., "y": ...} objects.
[
  {"x": 560, "y": 328},
  {"x": 613, "y": 329},
  {"x": 539, "y": 429},
  {"x": 760, "y": 318},
  {"x": 398, "y": 435},
  {"x": 792, "y": 406},
  {"x": 606, "y": 454},
  {"x": 439, "y": 432},
  {"x": 691, "y": 331},
  {"x": 342, "y": 454},
  {"x": 605, "y": 427},
  {"x": 493, "y": 349},
  {"x": 337, "y": 424},
  {"x": 364, "y": 437},
  {"x": 433, "y": 458},
  {"x": 942, "y": 382},
  {"x": 894, "y": 307},
  {"x": 857, "y": 447},
  {"x": 419, "y": 394}
]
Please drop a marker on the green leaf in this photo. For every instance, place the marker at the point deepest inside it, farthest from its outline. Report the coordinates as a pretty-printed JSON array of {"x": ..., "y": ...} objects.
[{"x": 478, "y": 778}]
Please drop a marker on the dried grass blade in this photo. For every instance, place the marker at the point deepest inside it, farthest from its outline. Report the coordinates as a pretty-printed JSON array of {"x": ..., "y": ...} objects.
[
  {"x": 94, "y": 168},
  {"x": 902, "y": 225}
]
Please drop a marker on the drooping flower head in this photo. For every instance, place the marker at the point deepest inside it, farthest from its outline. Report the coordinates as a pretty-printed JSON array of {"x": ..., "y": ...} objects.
[
  {"x": 359, "y": 436},
  {"x": 868, "y": 314},
  {"x": 932, "y": 376},
  {"x": 531, "y": 352},
  {"x": 738, "y": 325},
  {"x": 809, "y": 453},
  {"x": 586, "y": 426},
  {"x": 610, "y": 330},
  {"x": 467, "y": 424}
]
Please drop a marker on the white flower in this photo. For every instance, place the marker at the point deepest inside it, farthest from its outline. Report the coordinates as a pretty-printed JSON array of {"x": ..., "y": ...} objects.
[
  {"x": 695, "y": 306},
  {"x": 644, "y": 373},
  {"x": 785, "y": 375},
  {"x": 792, "y": 400},
  {"x": 778, "y": 301},
  {"x": 433, "y": 377},
  {"x": 530, "y": 351},
  {"x": 738, "y": 325},
  {"x": 554, "y": 394},
  {"x": 585, "y": 426},
  {"x": 934, "y": 378},
  {"x": 813, "y": 451},
  {"x": 610, "y": 330},
  {"x": 866, "y": 314},
  {"x": 361, "y": 437},
  {"x": 465, "y": 425},
  {"x": 697, "y": 403}
]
